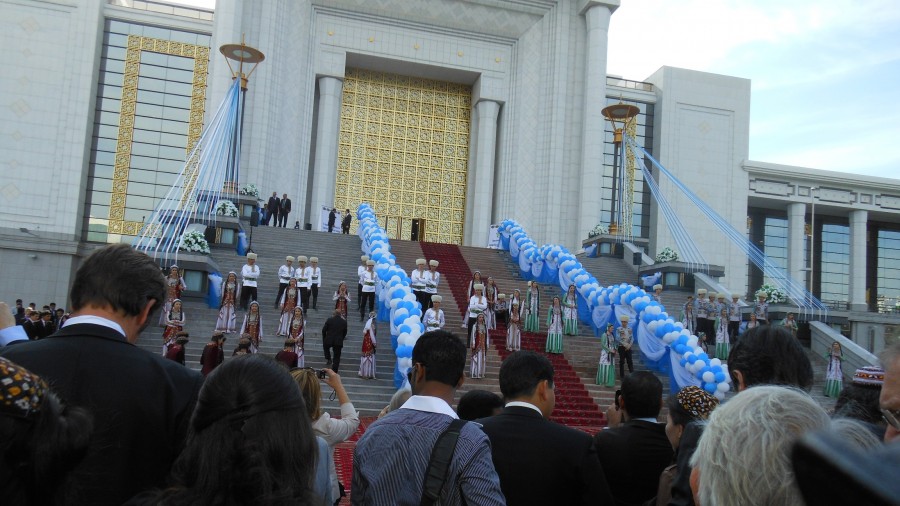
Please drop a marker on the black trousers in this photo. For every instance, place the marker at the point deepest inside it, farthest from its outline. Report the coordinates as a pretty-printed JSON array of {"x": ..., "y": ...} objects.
[
  {"x": 248, "y": 293},
  {"x": 314, "y": 291},
  {"x": 281, "y": 288},
  {"x": 282, "y": 219},
  {"x": 358, "y": 295},
  {"x": 625, "y": 356},
  {"x": 304, "y": 298},
  {"x": 469, "y": 324},
  {"x": 367, "y": 298},
  {"x": 275, "y": 215},
  {"x": 733, "y": 330},
  {"x": 336, "y": 362},
  {"x": 422, "y": 298}
]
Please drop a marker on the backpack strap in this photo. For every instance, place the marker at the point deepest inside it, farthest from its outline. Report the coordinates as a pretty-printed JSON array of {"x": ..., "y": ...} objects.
[{"x": 439, "y": 463}]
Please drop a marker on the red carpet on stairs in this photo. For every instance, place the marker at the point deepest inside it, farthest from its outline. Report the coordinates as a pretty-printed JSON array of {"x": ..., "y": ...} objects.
[{"x": 574, "y": 405}]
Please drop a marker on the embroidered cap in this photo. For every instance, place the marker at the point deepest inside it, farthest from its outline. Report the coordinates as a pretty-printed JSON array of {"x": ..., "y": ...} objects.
[
  {"x": 21, "y": 391},
  {"x": 434, "y": 263},
  {"x": 870, "y": 376},
  {"x": 696, "y": 401}
]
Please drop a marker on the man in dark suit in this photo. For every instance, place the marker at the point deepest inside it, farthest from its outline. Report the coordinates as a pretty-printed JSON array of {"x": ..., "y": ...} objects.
[
  {"x": 539, "y": 461},
  {"x": 634, "y": 452},
  {"x": 31, "y": 324},
  {"x": 284, "y": 209},
  {"x": 141, "y": 402},
  {"x": 272, "y": 208},
  {"x": 333, "y": 334},
  {"x": 332, "y": 217},
  {"x": 345, "y": 223}
]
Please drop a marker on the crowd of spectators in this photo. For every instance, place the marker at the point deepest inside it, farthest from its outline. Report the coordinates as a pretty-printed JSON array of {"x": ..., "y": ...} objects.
[{"x": 87, "y": 417}]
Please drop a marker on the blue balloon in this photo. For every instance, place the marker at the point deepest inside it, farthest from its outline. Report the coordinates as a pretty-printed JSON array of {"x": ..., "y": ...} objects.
[
  {"x": 710, "y": 387},
  {"x": 683, "y": 362},
  {"x": 404, "y": 329},
  {"x": 716, "y": 368},
  {"x": 720, "y": 377},
  {"x": 692, "y": 359},
  {"x": 704, "y": 371},
  {"x": 681, "y": 348},
  {"x": 398, "y": 320},
  {"x": 660, "y": 331},
  {"x": 682, "y": 339},
  {"x": 404, "y": 351}
]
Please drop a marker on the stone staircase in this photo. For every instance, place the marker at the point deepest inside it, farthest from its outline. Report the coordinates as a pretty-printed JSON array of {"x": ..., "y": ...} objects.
[{"x": 338, "y": 258}]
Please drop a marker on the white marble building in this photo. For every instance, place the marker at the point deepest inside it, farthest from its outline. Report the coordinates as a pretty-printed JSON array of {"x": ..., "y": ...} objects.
[{"x": 538, "y": 148}]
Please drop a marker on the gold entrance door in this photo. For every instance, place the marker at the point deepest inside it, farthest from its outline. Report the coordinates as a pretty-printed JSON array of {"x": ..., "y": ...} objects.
[{"x": 403, "y": 148}]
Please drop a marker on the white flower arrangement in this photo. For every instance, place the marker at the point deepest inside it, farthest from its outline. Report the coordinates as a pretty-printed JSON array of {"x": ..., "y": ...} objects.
[
  {"x": 226, "y": 208},
  {"x": 194, "y": 242},
  {"x": 600, "y": 229},
  {"x": 774, "y": 295},
  {"x": 667, "y": 255},
  {"x": 249, "y": 189}
]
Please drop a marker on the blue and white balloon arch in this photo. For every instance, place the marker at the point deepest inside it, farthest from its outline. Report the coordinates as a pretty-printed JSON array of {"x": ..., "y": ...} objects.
[
  {"x": 394, "y": 298},
  {"x": 665, "y": 345}
]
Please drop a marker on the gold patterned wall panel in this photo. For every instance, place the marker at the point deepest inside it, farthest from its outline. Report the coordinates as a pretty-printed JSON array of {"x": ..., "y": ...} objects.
[
  {"x": 136, "y": 45},
  {"x": 403, "y": 148}
]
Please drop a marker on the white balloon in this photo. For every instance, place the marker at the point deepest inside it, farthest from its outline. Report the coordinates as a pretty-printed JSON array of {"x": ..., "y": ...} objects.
[
  {"x": 715, "y": 362},
  {"x": 692, "y": 341},
  {"x": 393, "y": 303},
  {"x": 723, "y": 387},
  {"x": 410, "y": 297},
  {"x": 709, "y": 377},
  {"x": 720, "y": 395},
  {"x": 700, "y": 364}
]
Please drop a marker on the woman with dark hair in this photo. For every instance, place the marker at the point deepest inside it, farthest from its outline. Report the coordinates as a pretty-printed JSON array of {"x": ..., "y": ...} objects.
[
  {"x": 253, "y": 326},
  {"x": 41, "y": 440},
  {"x": 174, "y": 286},
  {"x": 225, "y": 321},
  {"x": 174, "y": 324},
  {"x": 770, "y": 355},
  {"x": 249, "y": 441},
  {"x": 690, "y": 404}
]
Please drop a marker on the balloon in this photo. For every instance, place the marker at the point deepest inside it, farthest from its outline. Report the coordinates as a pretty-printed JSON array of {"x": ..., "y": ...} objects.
[
  {"x": 711, "y": 388},
  {"x": 720, "y": 377},
  {"x": 404, "y": 328},
  {"x": 723, "y": 387},
  {"x": 715, "y": 361},
  {"x": 720, "y": 395},
  {"x": 709, "y": 377}
]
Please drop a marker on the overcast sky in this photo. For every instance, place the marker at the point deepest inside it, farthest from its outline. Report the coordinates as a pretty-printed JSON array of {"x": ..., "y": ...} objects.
[{"x": 825, "y": 73}]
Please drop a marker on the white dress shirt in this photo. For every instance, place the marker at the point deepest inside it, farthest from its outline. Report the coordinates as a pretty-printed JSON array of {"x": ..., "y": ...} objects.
[
  {"x": 429, "y": 404},
  {"x": 285, "y": 273},
  {"x": 315, "y": 276},
  {"x": 434, "y": 319},
  {"x": 477, "y": 305},
  {"x": 249, "y": 274},
  {"x": 432, "y": 279}
]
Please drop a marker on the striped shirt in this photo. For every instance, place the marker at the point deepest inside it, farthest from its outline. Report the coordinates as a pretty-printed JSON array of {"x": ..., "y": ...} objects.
[{"x": 390, "y": 459}]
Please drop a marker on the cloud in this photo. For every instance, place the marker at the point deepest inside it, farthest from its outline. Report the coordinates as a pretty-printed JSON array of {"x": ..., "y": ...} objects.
[{"x": 825, "y": 74}]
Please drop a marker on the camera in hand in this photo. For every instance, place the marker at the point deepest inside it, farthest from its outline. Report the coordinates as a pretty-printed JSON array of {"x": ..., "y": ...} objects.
[{"x": 321, "y": 373}]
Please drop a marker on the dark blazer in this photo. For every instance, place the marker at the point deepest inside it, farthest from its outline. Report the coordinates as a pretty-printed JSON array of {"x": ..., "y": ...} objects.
[
  {"x": 274, "y": 204},
  {"x": 633, "y": 455},
  {"x": 334, "y": 331},
  {"x": 346, "y": 221},
  {"x": 542, "y": 462},
  {"x": 32, "y": 329},
  {"x": 331, "y": 217},
  {"x": 140, "y": 401},
  {"x": 285, "y": 206}
]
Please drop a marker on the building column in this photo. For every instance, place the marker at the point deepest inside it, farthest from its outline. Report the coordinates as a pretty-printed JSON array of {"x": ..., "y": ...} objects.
[
  {"x": 325, "y": 164},
  {"x": 596, "y": 15},
  {"x": 487, "y": 112},
  {"x": 796, "y": 240},
  {"x": 858, "y": 245}
]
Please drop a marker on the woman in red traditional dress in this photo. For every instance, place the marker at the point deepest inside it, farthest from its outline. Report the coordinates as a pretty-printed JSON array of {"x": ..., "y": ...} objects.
[
  {"x": 367, "y": 359},
  {"x": 253, "y": 326},
  {"x": 174, "y": 325},
  {"x": 225, "y": 322},
  {"x": 174, "y": 286},
  {"x": 341, "y": 299},
  {"x": 288, "y": 303},
  {"x": 296, "y": 332}
]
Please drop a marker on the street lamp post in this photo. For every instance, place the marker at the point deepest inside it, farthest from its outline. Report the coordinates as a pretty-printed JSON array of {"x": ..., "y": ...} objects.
[
  {"x": 240, "y": 53},
  {"x": 621, "y": 113}
]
